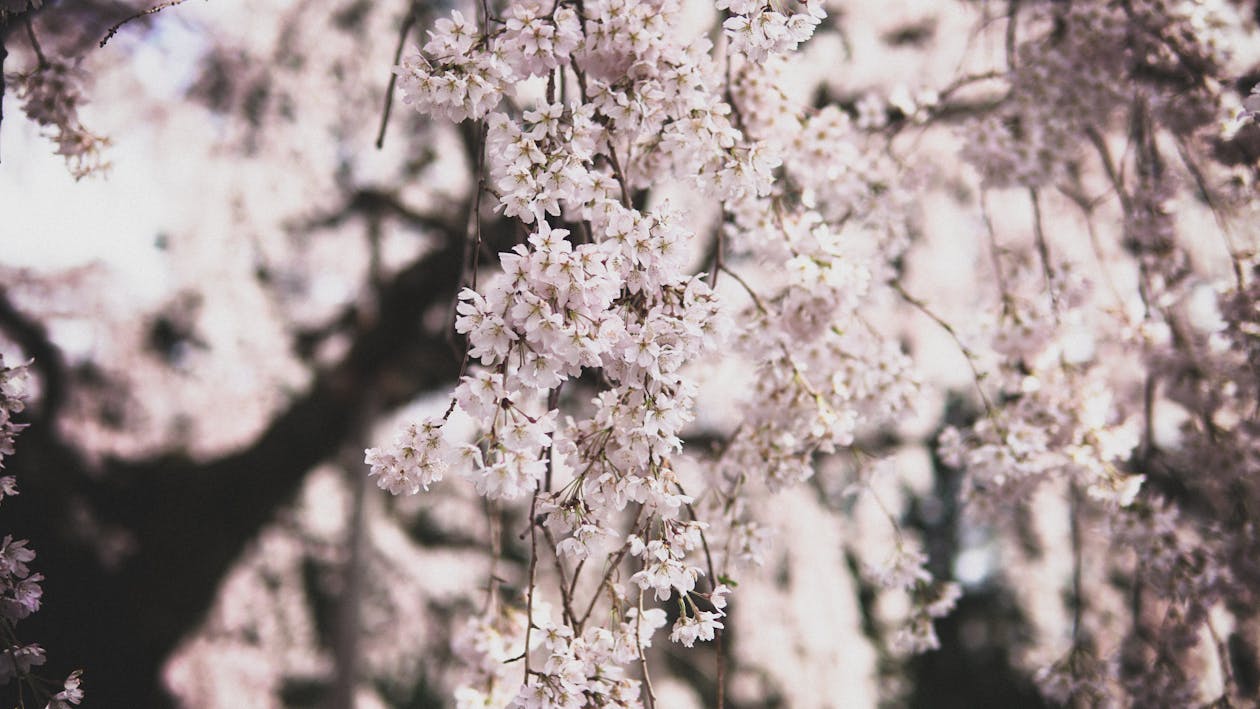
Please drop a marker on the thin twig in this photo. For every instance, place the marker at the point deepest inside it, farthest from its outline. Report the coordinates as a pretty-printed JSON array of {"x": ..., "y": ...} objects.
[
  {"x": 481, "y": 188},
  {"x": 638, "y": 643},
  {"x": 533, "y": 570},
  {"x": 718, "y": 644},
  {"x": 968, "y": 354},
  {"x": 1012, "y": 30},
  {"x": 621, "y": 175},
  {"x": 747, "y": 288},
  {"x": 1148, "y": 417},
  {"x": 1222, "y": 657},
  {"x": 471, "y": 261},
  {"x": 39, "y": 53},
  {"x": 612, "y": 566},
  {"x": 1109, "y": 166},
  {"x": 577, "y": 571},
  {"x": 737, "y": 118},
  {"x": 581, "y": 79},
  {"x": 496, "y": 552},
  {"x": 1043, "y": 250},
  {"x": 719, "y": 255},
  {"x": 1087, "y": 211},
  {"x": 4, "y": 54},
  {"x": 553, "y": 401},
  {"x": 965, "y": 81},
  {"x": 151, "y": 11},
  {"x": 566, "y": 595},
  {"x": 393, "y": 78},
  {"x": 994, "y": 251},
  {"x": 1078, "y": 598},
  {"x": 1201, "y": 182}
]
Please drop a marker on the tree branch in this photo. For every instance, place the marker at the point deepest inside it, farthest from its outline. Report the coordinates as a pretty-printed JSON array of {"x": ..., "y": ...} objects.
[
  {"x": 193, "y": 518},
  {"x": 393, "y": 78},
  {"x": 151, "y": 11}
]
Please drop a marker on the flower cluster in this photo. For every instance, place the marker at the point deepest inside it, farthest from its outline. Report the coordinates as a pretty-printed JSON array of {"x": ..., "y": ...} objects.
[
  {"x": 1045, "y": 433},
  {"x": 589, "y": 669},
  {"x": 51, "y": 95},
  {"x": 588, "y": 340},
  {"x": 905, "y": 572},
  {"x": 418, "y": 458},
  {"x": 1025, "y": 144},
  {"x": 1134, "y": 405},
  {"x": 71, "y": 692},
  {"x": 486, "y": 644},
  {"x": 614, "y": 299},
  {"x": 758, "y": 29},
  {"x": 20, "y": 590},
  {"x": 578, "y": 669},
  {"x": 1059, "y": 417},
  {"x": 537, "y": 39},
  {"x": 458, "y": 82},
  {"x": 11, "y": 402},
  {"x": 599, "y": 288}
]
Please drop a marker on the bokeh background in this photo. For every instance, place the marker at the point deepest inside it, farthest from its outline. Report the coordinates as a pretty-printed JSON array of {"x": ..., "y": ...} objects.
[{"x": 252, "y": 293}]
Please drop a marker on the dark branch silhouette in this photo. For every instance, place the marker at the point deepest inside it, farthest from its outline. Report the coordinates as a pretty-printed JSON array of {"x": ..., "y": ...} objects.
[
  {"x": 191, "y": 520},
  {"x": 144, "y": 13}
]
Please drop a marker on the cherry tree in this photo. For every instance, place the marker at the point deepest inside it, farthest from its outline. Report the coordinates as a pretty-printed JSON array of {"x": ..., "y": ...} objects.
[
  {"x": 723, "y": 331},
  {"x": 632, "y": 101}
]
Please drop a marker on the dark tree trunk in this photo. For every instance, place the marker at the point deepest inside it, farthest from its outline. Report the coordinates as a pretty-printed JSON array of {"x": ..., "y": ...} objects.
[{"x": 191, "y": 520}]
